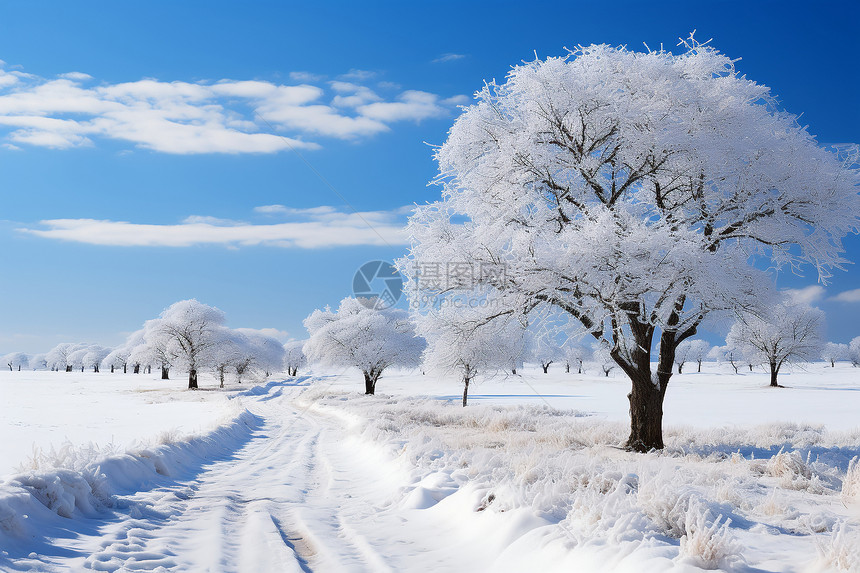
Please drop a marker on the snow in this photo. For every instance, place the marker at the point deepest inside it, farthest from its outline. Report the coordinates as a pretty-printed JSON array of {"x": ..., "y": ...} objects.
[
  {"x": 43, "y": 411},
  {"x": 308, "y": 474}
]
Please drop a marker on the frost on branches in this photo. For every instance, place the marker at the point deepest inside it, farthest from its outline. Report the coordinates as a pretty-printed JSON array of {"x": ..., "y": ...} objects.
[
  {"x": 631, "y": 190},
  {"x": 361, "y": 336}
]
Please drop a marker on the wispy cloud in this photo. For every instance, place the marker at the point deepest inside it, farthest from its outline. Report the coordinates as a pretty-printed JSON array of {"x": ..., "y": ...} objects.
[
  {"x": 226, "y": 116},
  {"x": 806, "y": 295},
  {"x": 449, "y": 57},
  {"x": 314, "y": 228},
  {"x": 847, "y": 296}
]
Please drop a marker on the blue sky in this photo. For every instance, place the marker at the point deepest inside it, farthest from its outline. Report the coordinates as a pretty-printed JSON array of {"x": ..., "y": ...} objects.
[{"x": 148, "y": 150}]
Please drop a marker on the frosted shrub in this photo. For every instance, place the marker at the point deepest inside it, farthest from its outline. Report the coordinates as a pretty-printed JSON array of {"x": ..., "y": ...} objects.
[
  {"x": 706, "y": 544},
  {"x": 842, "y": 551},
  {"x": 665, "y": 503},
  {"x": 851, "y": 483}
]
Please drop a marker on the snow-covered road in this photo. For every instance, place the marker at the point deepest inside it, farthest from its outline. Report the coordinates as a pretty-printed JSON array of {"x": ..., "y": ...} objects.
[{"x": 297, "y": 495}]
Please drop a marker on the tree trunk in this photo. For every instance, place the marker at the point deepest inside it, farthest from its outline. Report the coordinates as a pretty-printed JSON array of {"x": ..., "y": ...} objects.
[
  {"x": 774, "y": 371},
  {"x": 646, "y": 416},
  {"x": 545, "y": 368},
  {"x": 680, "y": 367},
  {"x": 111, "y": 368},
  {"x": 96, "y": 368},
  {"x": 165, "y": 373},
  {"x": 192, "y": 379},
  {"x": 567, "y": 367},
  {"x": 647, "y": 392},
  {"x": 19, "y": 368},
  {"x": 750, "y": 365},
  {"x": 82, "y": 367},
  {"x": 370, "y": 379},
  {"x": 833, "y": 364},
  {"x": 579, "y": 371},
  {"x": 221, "y": 376},
  {"x": 700, "y": 366},
  {"x": 136, "y": 369},
  {"x": 465, "y": 391},
  {"x": 513, "y": 371},
  {"x": 125, "y": 368}
]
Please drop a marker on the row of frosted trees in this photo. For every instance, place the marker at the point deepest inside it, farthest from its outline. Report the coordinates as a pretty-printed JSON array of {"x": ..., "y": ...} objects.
[
  {"x": 364, "y": 335},
  {"x": 188, "y": 336}
]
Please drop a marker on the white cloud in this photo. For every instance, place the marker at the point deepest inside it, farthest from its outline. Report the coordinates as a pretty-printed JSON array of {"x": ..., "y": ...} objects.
[
  {"x": 280, "y": 335},
  {"x": 226, "y": 116},
  {"x": 413, "y": 104},
  {"x": 318, "y": 227},
  {"x": 305, "y": 77},
  {"x": 806, "y": 295},
  {"x": 848, "y": 296},
  {"x": 358, "y": 75},
  {"x": 448, "y": 58},
  {"x": 79, "y": 76}
]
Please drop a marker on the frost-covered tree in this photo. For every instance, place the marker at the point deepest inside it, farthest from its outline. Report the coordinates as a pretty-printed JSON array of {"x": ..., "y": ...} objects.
[
  {"x": 833, "y": 352},
  {"x": 601, "y": 355},
  {"x": 16, "y": 360},
  {"x": 786, "y": 332},
  {"x": 461, "y": 341},
  {"x": 232, "y": 351},
  {"x": 294, "y": 357},
  {"x": 265, "y": 353},
  {"x": 359, "y": 335},
  {"x": 94, "y": 356},
  {"x": 575, "y": 354},
  {"x": 544, "y": 344},
  {"x": 117, "y": 358},
  {"x": 681, "y": 355},
  {"x": 39, "y": 362},
  {"x": 724, "y": 354},
  {"x": 58, "y": 358},
  {"x": 854, "y": 351},
  {"x": 189, "y": 332},
  {"x": 693, "y": 350},
  {"x": 629, "y": 190}
]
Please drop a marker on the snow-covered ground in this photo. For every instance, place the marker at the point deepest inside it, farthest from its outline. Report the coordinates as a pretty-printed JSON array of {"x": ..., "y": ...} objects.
[
  {"x": 42, "y": 414},
  {"x": 310, "y": 475}
]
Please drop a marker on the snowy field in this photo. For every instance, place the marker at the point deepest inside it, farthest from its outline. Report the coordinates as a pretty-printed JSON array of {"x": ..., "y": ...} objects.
[
  {"x": 308, "y": 474},
  {"x": 42, "y": 414}
]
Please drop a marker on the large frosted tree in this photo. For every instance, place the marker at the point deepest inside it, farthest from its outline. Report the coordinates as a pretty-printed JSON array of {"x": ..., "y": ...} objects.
[{"x": 631, "y": 191}]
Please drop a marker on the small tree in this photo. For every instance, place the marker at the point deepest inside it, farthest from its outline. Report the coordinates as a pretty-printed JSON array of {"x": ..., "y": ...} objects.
[
  {"x": 294, "y": 357},
  {"x": 16, "y": 361},
  {"x": 544, "y": 346},
  {"x": 189, "y": 332},
  {"x": 854, "y": 351},
  {"x": 602, "y": 356},
  {"x": 724, "y": 354},
  {"x": 459, "y": 340},
  {"x": 681, "y": 354},
  {"x": 832, "y": 352},
  {"x": 575, "y": 354},
  {"x": 94, "y": 356},
  {"x": 698, "y": 351},
  {"x": 360, "y": 335},
  {"x": 787, "y": 332}
]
